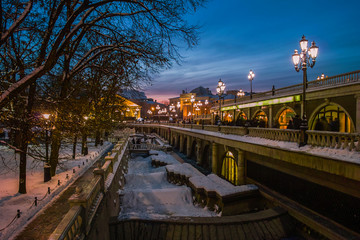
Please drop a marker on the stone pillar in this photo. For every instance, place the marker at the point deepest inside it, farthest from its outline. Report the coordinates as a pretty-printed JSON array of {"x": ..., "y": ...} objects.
[
  {"x": 248, "y": 113},
  {"x": 357, "y": 116},
  {"x": 215, "y": 158},
  {"x": 270, "y": 123},
  {"x": 241, "y": 167}
]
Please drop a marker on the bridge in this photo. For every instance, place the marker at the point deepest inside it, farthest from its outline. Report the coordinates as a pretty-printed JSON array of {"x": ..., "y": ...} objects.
[
  {"x": 336, "y": 98},
  {"x": 296, "y": 189},
  {"x": 295, "y": 178}
]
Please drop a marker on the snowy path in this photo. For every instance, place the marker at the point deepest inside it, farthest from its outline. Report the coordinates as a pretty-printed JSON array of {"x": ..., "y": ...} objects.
[
  {"x": 148, "y": 194},
  {"x": 11, "y": 201}
]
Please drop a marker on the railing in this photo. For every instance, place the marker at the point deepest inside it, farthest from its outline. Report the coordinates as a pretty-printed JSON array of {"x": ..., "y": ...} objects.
[
  {"x": 336, "y": 80},
  {"x": 71, "y": 225},
  {"x": 350, "y": 141},
  {"x": 203, "y": 116},
  {"x": 85, "y": 202},
  {"x": 275, "y": 134}
]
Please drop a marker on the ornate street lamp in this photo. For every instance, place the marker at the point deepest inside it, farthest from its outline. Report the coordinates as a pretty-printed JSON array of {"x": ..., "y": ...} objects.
[
  {"x": 220, "y": 91},
  {"x": 251, "y": 77},
  {"x": 306, "y": 58},
  {"x": 192, "y": 100},
  {"x": 178, "y": 105},
  {"x": 240, "y": 94}
]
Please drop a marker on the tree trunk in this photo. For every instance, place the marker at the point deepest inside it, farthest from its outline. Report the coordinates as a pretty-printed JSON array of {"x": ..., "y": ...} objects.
[
  {"x": 25, "y": 138},
  {"x": 97, "y": 137},
  {"x": 22, "y": 168},
  {"x": 83, "y": 143},
  {"x": 74, "y": 147},
  {"x": 55, "y": 148}
]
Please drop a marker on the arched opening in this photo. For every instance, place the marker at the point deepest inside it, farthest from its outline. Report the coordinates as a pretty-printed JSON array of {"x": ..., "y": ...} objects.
[
  {"x": 241, "y": 118},
  {"x": 229, "y": 169},
  {"x": 260, "y": 119},
  {"x": 177, "y": 143},
  {"x": 193, "y": 151},
  {"x": 228, "y": 117},
  {"x": 206, "y": 158},
  {"x": 185, "y": 145},
  {"x": 285, "y": 117},
  {"x": 332, "y": 117}
]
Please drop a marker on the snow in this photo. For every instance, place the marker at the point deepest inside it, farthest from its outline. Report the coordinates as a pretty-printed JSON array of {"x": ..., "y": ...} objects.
[
  {"x": 148, "y": 194},
  {"x": 184, "y": 169},
  {"x": 338, "y": 154},
  {"x": 163, "y": 158},
  {"x": 11, "y": 200},
  {"x": 213, "y": 183}
]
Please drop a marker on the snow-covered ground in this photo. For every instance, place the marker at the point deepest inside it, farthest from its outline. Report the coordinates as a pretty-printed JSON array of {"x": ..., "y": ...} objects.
[
  {"x": 11, "y": 200},
  {"x": 148, "y": 194}
]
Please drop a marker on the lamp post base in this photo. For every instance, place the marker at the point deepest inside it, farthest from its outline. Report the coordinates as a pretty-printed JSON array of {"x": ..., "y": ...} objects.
[
  {"x": 303, "y": 128},
  {"x": 47, "y": 174}
]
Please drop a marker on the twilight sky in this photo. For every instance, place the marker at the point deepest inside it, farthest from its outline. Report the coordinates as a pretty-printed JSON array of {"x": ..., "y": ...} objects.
[{"x": 239, "y": 35}]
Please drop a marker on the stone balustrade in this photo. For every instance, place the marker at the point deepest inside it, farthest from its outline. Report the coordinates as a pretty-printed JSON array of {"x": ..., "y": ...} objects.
[
  {"x": 287, "y": 135},
  {"x": 350, "y": 141},
  {"x": 71, "y": 225},
  {"x": 87, "y": 199},
  {"x": 212, "y": 128},
  {"x": 337, "y": 140},
  {"x": 233, "y": 130}
]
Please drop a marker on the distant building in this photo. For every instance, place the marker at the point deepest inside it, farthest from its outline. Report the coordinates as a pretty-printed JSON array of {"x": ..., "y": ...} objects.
[
  {"x": 149, "y": 108},
  {"x": 193, "y": 105}
]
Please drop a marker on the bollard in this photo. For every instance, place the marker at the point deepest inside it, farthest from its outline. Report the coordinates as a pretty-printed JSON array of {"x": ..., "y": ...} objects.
[
  {"x": 79, "y": 166},
  {"x": 18, "y": 213},
  {"x": 36, "y": 200},
  {"x": 48, "y": 190},
  {"x": 83, "y": 163},
  {"x": 74, "y": 170},
  {"x": 58, "y": 182},
  {"x": 67, "y": 176}
]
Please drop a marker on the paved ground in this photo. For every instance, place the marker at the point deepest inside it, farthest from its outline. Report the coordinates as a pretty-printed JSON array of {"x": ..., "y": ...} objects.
[{"x": 48, "y": 219}]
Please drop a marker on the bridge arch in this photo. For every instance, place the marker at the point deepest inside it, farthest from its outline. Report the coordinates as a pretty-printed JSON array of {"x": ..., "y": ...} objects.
[
  {"x": 184, "y": 145},
  {"x": 193, "y": 152},
  {"x": 177, "y": 141},
  {"x": 229, "y": 168},
  {"x": 338, "y": 118},
  {"x": 283, "y": 116},
  {"x": 260, "y": 117},
  {"x": 206, "y": 157}
]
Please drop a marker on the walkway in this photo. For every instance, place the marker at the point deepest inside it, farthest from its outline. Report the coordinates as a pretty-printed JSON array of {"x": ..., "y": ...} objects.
[{"x": 46, "y": 222}]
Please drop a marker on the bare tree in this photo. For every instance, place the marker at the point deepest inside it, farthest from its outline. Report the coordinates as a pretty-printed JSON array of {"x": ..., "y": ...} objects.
[{"x": 68, "y": 36}]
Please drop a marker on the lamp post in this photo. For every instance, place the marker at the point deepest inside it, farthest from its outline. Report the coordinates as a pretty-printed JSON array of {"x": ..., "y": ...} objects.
[
  {"x": 192, "y": 100},
  {"x": 251, "y": 77},
  {"x": 178, "y": 108},
  {"x": 240, "y": 94},
  {"x": 220, "y": 91},
  {"x": 84, "y": 147},
  {"x": 47, "y": 174},
  {"x": 306, "y": 58}
]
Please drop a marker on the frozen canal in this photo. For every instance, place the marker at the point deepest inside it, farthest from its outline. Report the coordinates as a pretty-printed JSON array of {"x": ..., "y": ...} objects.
[{"x": 148, "y": 194}]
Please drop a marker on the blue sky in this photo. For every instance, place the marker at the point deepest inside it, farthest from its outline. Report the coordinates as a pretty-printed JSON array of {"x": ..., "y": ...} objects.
[{"x": 237, "y": 36}]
